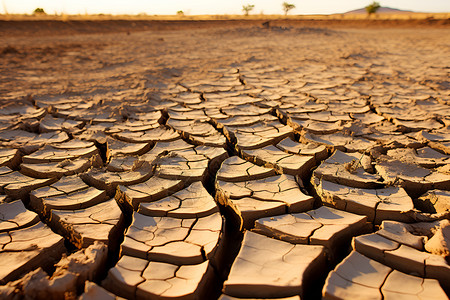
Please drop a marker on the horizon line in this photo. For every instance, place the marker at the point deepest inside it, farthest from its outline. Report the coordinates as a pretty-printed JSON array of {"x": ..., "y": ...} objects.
[{"x": 224, "y": 14}]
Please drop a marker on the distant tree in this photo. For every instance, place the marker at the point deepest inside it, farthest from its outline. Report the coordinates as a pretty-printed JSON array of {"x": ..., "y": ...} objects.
[
  {"x": 39, "y": 11},
  {"x": 287, "y": 7},
  {"x": 372, "y": 8},
  {"x": 247, "y": 8},
  {"x": 180, "y": 13}
]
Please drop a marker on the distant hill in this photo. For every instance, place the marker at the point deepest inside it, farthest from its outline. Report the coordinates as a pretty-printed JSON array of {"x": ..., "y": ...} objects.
[{"x": 383, "y": 10}]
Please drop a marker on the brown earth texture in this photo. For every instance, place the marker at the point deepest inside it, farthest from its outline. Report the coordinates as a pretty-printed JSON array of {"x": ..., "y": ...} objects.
[{"x": 227, "y": 159}]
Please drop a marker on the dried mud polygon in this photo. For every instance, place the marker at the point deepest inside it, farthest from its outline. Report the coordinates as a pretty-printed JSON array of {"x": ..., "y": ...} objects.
[{"x": 323, "y": 179}]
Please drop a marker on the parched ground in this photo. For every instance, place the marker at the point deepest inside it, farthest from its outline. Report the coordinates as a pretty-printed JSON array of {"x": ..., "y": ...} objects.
[{"x": 231, "y": 160}]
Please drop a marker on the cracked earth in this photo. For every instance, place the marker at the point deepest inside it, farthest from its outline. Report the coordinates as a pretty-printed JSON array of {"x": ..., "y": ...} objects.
[{"x": 225, "y": 163}]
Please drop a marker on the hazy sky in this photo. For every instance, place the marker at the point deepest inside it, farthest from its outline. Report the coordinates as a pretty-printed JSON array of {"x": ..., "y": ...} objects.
[{"x": 194, "y": 7}]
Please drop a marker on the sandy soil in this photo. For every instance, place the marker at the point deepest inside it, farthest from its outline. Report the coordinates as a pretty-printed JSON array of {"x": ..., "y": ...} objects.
[{"x": 47, "y": 62}]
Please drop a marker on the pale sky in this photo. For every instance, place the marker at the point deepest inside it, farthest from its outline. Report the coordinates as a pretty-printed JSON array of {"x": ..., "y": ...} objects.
[{"x": 197, "y": 7}]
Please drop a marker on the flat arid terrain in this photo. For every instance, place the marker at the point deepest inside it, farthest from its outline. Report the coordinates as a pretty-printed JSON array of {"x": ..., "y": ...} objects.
[{"x": 225, "y": 159}]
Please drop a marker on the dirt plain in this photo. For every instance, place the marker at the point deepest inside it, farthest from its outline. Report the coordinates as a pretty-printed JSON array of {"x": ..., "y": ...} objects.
[{"x": 225, "y": 159}]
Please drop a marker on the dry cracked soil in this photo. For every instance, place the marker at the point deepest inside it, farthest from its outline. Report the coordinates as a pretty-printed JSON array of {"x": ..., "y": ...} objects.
[{"x": 224, "y": 161}]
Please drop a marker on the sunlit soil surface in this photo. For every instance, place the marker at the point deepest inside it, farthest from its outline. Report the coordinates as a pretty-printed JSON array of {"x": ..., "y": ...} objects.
[{"x": 225, "y": 161}]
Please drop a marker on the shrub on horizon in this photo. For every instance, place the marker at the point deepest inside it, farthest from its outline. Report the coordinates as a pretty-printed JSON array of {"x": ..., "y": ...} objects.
[
  {"x": 247, "y": 8},
  {"x": 39, "y": 11},
  {"x": 287, "y": 7},
  {"x": 372, "y": 8}
]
